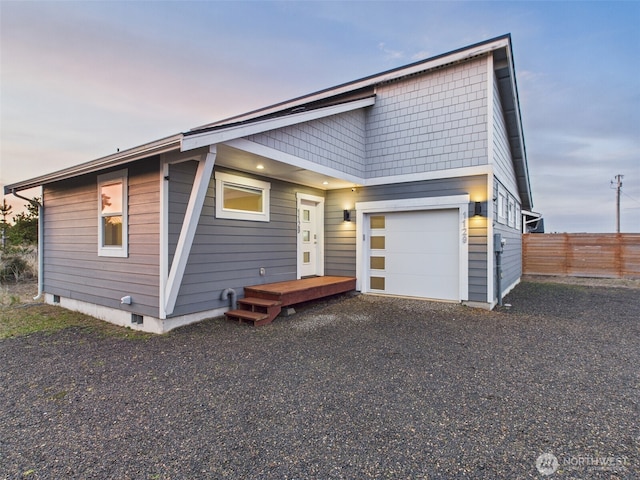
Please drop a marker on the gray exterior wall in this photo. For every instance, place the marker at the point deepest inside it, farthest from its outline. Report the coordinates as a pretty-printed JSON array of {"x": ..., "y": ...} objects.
[
  {"x": 436, "y": 121},
  {"x": 337, "y": 142},
  {"x": 72, "y": 267},
  {"x": 340, "y": 241},
  {"x": 511, "y": 256},
  {"x": 229, "y": 253},
  {"x": 505, "y": 176}
]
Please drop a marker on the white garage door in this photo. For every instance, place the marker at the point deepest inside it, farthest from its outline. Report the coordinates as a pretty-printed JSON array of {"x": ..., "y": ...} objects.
[{"x": 415, "y": 254}]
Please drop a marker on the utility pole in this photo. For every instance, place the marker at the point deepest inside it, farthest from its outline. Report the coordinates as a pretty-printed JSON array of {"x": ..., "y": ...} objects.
[{"x": 618, "y": 187}]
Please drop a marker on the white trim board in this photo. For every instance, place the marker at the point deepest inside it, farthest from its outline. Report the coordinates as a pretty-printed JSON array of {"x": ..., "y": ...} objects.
[
  {"x": 188, "y": 231},
  {"x": 167, "y": 159},
  {"x": 283, "y": 157}
]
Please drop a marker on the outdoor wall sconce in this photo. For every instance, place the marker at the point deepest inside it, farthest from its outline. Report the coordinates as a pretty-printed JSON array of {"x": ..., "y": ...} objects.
[
  {"x": 346, "y": 215},
  {"x": 477, "y": 212}
]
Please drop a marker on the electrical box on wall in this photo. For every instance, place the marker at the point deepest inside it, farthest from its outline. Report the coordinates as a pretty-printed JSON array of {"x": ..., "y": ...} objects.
[{"x": 498, "y": 242}]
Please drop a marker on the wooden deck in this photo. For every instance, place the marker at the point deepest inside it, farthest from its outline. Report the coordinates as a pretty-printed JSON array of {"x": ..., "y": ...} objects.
[
  {"x": 303, "y": 290},
  {"x": 262, "y": 303}
]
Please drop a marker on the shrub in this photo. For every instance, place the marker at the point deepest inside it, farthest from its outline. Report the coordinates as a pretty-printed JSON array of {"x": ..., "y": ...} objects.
[{"x": 17, "y": 265}]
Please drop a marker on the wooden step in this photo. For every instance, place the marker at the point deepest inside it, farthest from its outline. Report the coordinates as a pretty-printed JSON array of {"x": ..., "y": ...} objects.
[
  {"x": 247, "y": 315},
  {"x": 259, "y": 311},
  {"x": 259, "y": 302}
]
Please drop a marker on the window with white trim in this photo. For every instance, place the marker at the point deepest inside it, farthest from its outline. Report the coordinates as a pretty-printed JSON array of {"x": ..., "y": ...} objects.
[
  {"x": 112, "y": 214},
  {"x": 502, "y": 206},
  {"x": 511, "y": 213},
  {"x": 242, "y": 198}
]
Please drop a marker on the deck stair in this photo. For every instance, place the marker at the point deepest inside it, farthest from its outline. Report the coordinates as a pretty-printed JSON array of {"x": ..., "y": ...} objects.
[
  {"x": 263, "y": 303},
  {"x": 260, "y": 311}
]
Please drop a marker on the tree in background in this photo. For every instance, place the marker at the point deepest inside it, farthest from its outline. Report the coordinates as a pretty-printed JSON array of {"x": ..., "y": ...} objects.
[
  {"x": 24, "y": 230},
  {"x": 19, "y": 254},
  {"x": 5, "y": 210}
]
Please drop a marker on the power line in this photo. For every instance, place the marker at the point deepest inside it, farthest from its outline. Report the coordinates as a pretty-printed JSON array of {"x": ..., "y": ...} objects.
[{"x": 630, "y": 197}]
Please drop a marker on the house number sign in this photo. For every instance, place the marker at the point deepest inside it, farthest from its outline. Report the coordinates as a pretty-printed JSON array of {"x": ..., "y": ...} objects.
[{"x": 464, "y": 231}]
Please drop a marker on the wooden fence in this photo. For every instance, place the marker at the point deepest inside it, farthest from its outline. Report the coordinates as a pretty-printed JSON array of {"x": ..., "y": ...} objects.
[{"x": 608, "y": 255}]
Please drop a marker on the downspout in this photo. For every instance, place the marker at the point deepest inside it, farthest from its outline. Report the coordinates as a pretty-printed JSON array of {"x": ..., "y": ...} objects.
[{"x": 40, "y": 240}]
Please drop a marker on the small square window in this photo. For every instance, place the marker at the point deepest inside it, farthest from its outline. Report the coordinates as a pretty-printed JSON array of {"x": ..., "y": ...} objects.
[
  {"x": 242, "y": 198},
  {"x": 377, "y": 221}
]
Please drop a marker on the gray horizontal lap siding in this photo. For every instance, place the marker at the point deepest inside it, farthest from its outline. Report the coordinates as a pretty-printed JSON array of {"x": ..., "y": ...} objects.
[
  {"x": 229, "y": 253},
  {"x": 72, "y": 267},
  {"x": 511, "y": 258},
  {"x": 340, "y": 241}
]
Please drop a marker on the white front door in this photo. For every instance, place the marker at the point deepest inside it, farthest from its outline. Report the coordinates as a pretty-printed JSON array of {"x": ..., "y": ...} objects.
[{"x": 310, "y": 235}]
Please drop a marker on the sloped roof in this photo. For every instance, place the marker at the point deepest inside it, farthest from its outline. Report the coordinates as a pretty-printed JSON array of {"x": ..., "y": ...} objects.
[{"x": 347, "y": 94}]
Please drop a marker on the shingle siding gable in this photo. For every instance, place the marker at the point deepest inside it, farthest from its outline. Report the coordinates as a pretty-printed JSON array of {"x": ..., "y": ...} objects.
[
  {"x": 336, "y": 142},
  {"x": 437, "y": 121}
]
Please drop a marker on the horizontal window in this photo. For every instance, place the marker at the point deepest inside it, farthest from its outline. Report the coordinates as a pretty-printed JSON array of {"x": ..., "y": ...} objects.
[{"x": 242, "y": 198}]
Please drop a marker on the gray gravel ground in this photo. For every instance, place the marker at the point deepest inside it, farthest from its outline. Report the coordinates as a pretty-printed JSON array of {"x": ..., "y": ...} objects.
[{"x": 353, "y": 387}]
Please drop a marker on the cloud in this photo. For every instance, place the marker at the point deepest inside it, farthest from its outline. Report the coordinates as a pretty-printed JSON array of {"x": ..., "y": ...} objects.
[{"x": 389, "y": 53}]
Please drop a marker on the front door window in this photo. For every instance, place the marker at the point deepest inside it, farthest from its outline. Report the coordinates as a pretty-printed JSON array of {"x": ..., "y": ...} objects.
[{"x": 309, "y": 232}]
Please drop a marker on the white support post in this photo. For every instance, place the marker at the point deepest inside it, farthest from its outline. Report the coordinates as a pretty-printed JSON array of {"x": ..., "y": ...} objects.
[{"x": 188, "y": 230}]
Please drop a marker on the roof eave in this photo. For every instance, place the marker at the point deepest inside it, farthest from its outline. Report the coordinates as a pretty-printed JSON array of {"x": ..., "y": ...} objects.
[
  {"x": 193, "y": 139},
  {"x": 511, "y": 105},
  {"x": 117, "y": 159}
]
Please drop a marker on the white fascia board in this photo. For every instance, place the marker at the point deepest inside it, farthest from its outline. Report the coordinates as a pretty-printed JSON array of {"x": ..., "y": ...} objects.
[
  {"x": 222, "y": 135},
  {"x": 432, "y": 175},
  {"x": 188, "y": 230}
]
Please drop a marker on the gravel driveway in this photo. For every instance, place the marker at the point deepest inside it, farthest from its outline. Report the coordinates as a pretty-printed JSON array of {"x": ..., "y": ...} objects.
[{"x": 353, "y": 387}]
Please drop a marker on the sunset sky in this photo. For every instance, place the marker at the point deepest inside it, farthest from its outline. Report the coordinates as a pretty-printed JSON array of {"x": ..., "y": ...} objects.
[{"x": 80, "y": 80}]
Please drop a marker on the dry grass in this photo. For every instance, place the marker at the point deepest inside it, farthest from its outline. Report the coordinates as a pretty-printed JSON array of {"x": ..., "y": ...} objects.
[
  {"x": 584, "y": 281},
  {"x": 21, "y": 314}
]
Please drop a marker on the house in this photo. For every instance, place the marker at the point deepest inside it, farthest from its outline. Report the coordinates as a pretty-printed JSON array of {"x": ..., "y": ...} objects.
[{"x": 410, "y": 180}]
